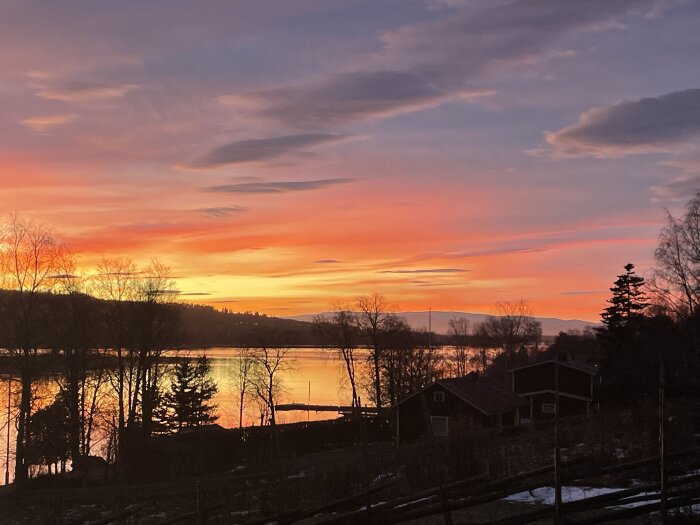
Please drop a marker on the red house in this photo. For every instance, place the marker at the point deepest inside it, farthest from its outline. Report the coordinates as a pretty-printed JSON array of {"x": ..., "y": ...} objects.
[
  {"x": 537, "y": 383},
  {"x": 470, "y": 402}
]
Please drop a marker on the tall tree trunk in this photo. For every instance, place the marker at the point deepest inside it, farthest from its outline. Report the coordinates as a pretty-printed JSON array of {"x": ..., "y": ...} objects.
[
  {"x": 120, "y": 401},
  {"x": 73, "y": 406},
  {"x": 240, "y": 409},
  {"x": 23, "y": 422},
  {"x": 377, "y": 383}
]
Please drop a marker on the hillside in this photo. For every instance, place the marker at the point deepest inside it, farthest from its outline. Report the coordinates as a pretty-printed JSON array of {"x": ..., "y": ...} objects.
[{"x": 205, "y": 326}]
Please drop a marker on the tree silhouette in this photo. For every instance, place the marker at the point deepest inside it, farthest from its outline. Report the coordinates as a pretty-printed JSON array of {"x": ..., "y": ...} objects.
[
  {"x": 188, "y": 401},
  {"x": 628, "y": 300},
  {"x": 630, "y": 341}
]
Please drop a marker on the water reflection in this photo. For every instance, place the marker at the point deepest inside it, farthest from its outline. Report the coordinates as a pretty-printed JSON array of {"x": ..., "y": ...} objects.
[{"x": 314, "y": 375}]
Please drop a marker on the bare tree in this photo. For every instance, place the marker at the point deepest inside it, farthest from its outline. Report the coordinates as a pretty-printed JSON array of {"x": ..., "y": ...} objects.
[
  {"x": 407, "y": 362},
  {"x": 140, "y": 323},
  {"x": 483, "y": 342},
  {"x": 513, "y": 328},
  {"x": 30, "y": 259},
  {"x": 676, "y": 280},
  {"x": 75, "y": 321},
  {"x": 116, "y": 283},
  {"x": 458, "y": 330},
  {"x": 270, "y": 360},
  {"x": 242, "y": 380},
  {"x": 340, "y": 332},
  {"x": 156, "y": 326},
  {"x": 373, "y": 318}
]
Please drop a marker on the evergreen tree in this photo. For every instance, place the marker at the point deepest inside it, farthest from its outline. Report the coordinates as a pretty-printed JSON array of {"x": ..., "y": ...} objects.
[
  {"x": 628, "y": 301},
  {"x": 629, "y": 341},
  {"x": 49, "y": 430},
  {"x": 187, "y": 403}
]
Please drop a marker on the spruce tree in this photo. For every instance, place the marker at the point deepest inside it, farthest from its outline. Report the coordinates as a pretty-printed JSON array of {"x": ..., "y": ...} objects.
[
  {"x": 188, "y": 400},
  {"x": 628, "y": 300},
  {"x": 629, "y": 353}
]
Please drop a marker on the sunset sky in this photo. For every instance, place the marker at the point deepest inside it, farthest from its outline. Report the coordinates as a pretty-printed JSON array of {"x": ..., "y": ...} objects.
[{"x": 282, "y": 154}]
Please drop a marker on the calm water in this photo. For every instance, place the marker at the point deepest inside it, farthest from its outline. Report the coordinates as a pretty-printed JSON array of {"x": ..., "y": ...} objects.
[{"x": 311, "y": 375}]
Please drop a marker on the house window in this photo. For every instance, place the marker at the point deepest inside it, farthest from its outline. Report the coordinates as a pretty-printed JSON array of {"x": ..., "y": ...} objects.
[
  {"x": 440, "y": 425},
  {"x": 439, "y": 397},
  {"x": 548, "y": 408}
]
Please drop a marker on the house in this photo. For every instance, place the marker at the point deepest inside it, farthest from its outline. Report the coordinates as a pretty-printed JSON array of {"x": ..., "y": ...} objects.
[
  {"x": 470, "y": 402},
  {"x": 537, "y": 383}
]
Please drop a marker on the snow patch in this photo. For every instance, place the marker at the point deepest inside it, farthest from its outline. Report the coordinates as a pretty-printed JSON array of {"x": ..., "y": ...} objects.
[{"x": 545, "y": 496}]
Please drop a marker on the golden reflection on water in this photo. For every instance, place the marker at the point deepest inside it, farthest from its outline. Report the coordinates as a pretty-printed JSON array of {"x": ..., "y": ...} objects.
[{"x": 314, "y": 375}]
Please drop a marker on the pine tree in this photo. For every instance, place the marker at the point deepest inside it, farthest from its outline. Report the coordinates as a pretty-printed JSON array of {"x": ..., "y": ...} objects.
[
  {"x": 188, "y": 399},
  {"x": 628, "y": 300},
  {"x": 629, "y": 352}
]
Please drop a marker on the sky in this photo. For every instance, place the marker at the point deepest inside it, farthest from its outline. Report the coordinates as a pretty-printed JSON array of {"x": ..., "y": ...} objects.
[{"x": 282, "y": 155}]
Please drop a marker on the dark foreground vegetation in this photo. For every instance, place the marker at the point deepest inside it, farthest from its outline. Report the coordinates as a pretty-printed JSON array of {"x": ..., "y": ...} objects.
[{"x": 326, "y": 472}]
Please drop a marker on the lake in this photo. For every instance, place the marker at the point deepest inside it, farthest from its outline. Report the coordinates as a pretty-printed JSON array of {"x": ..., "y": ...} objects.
[{"x": 314, "y": 375}]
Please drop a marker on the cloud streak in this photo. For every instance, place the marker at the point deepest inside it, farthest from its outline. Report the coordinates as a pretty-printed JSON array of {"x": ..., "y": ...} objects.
[
  {"x": 85, "y": 91},
  {"x": 428, "y": 270},
  {"x": 44, "y": 125},
  {"x": 277, "y": 187},
  {"x": 220, "y": 212},
  {"x": 259, "y": 150}
]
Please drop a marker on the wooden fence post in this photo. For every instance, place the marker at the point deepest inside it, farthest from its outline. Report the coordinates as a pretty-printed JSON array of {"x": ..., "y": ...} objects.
[
  {"x": 557, "y": 452},
  {"x": 662, "y": 441},
  {"x": 365, "y": 461}
]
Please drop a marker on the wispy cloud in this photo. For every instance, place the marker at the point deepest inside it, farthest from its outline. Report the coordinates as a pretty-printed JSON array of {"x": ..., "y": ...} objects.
[
  {"x": 84, "y": 91},
  {"x": 350, "y": 97},
  {"x": 427, "y": 270},
  {"x": 582, "y": 292},
  {"x": 43, "y": 125},
  {"x": 647, "y": 125},
  {"x": 426, "y": 64},
  {"x": 221, "y": 212},
  {"x": 259, "y": 150},
  {"x": 327, "y": 261},
  {"x": 683, "y": 185},
  {"x": 277, "y": 187}
]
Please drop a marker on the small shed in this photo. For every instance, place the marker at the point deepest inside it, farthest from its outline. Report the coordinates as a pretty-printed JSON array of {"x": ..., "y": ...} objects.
[
  {"x": 460, "y": 403},
  {"x": 537, "y": 383}
]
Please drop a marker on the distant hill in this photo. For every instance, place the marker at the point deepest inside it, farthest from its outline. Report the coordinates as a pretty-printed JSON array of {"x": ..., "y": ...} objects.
[
  {"x": 550, "y": 325},
  {"x": 205, "y": 326}
]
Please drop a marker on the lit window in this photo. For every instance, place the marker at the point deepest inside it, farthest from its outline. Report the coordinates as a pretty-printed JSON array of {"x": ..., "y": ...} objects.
[{"x": 439, "y": 396}]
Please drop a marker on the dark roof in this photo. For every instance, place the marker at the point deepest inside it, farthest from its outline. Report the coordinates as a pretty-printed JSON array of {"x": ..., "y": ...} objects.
[
  {"x": 212, "y": 428},
  {"x": 483, "y": 393},
  {"x": 576, "y": 365}
]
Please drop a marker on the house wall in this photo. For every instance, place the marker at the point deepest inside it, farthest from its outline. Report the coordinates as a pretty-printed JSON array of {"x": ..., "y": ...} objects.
[
  {"x": 543, "y": 377},
  {"x": 461, "y": 415},
  {"x": 568, "y": 406}
]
